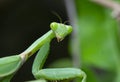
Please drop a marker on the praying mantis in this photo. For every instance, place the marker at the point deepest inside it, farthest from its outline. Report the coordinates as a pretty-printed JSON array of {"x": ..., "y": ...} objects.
[{"x": 10, "y": 65}]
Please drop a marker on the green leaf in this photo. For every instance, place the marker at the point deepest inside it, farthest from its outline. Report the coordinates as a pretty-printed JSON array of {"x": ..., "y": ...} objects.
[{"x": 98, "y": 37}]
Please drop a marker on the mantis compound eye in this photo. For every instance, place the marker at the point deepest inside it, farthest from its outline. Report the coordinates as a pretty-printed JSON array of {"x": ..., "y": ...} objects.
[{"x": 61, "y": 30}]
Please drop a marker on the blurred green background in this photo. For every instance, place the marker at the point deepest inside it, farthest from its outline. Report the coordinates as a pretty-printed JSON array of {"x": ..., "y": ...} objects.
[{"x": 93, "y": 45}]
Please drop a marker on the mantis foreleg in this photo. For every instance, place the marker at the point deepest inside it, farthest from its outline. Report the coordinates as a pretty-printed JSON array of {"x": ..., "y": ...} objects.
[{"x": 56, "y": 73}]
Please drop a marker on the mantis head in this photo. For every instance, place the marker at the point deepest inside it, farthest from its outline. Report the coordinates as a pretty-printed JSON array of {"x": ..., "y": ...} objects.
[{"x": 60, "y": 30}]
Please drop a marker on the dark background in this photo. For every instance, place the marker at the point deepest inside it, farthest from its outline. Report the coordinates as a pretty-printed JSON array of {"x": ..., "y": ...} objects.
[{"x": 22, "y": 22}]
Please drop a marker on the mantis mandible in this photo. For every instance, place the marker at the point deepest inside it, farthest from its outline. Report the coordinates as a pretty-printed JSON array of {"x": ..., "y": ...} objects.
[{"x": 10, "y": 65}]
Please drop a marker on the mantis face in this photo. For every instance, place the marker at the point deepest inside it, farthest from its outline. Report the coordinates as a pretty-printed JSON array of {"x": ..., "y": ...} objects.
[{"x": 60, "y": 30}]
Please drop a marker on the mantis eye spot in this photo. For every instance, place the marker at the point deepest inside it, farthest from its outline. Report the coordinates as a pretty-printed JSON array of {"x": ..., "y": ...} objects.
[
  {"x": 69, "y": 29},
  {"x": 53, "y": 26}
]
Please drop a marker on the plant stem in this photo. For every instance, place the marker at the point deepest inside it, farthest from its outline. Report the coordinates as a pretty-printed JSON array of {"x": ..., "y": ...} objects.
[
  {"x": 114, "y": 6},
  {"x": 75, "y": 41}
]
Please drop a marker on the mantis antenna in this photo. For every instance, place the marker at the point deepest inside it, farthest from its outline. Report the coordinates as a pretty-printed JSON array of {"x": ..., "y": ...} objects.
[{"x": 56, "y": 14}]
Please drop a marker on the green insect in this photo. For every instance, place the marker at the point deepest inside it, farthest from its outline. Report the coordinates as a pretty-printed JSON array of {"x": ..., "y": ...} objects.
[{"x": 10, "y": 65}]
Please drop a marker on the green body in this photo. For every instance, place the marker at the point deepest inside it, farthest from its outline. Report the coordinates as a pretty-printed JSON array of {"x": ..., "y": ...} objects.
[{"x": 9, "y": 65}]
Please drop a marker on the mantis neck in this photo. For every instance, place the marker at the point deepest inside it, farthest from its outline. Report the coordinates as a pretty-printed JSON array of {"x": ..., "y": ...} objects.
[{"x": 37, "y": 45}]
